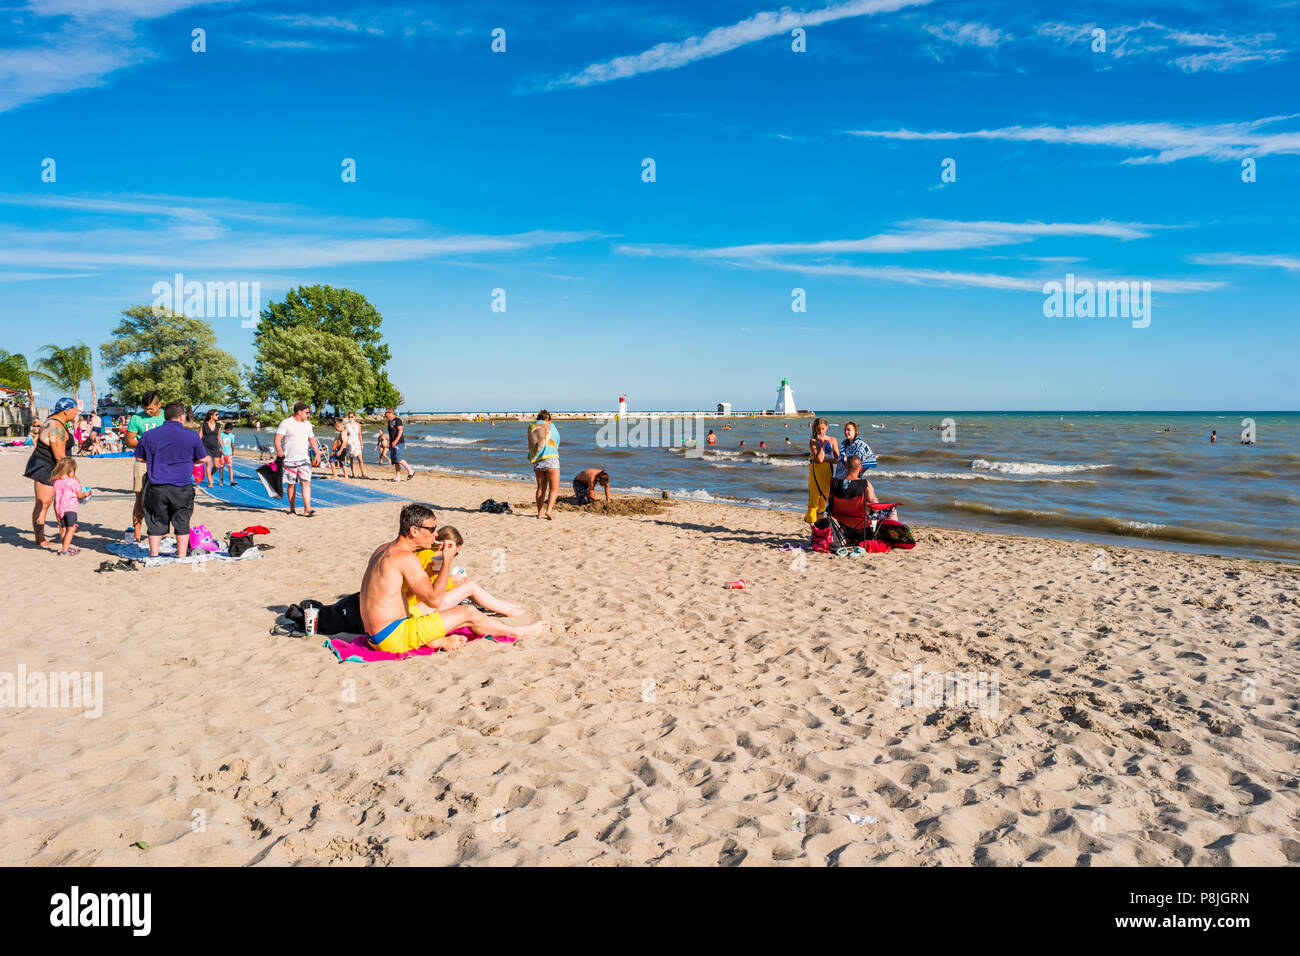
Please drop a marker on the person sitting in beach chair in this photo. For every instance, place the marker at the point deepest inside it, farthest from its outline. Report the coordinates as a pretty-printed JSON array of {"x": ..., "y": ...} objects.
[{"x": 853, "y": 504}]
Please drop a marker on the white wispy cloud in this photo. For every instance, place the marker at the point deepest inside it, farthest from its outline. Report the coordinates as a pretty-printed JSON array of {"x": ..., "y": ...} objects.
[
  {"x": 77, "y": 45},
  {"x": 921, "y": 235},
  {"x": 1191, "y": 51},
  {"x": 1291, "y": 263},
  {"x": 918, "y": 235},
  {"x": 950, "y": 277},
  {"x": 189, "y": 233},
  {"x": 968, "y": 34},
  {"x": 305, "y": 46},
  {"x": 1171, "y": 141},
  {"x": 761, "y": 26},
  {"x": 315, "y": 23}
]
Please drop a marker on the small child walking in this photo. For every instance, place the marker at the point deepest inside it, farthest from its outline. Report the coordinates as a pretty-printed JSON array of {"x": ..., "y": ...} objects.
[
  {"x": 67, "y": 493},
  {"x": 227, "y": 463}
]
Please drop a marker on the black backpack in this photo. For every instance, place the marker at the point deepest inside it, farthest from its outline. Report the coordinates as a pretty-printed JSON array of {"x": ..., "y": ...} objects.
[{"x": 342, "y": 617}]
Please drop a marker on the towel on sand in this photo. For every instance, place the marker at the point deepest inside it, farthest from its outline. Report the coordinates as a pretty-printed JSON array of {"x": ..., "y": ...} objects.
[
  {"x": 139, "y": 551},
  {"x": 362, "y": 653}
]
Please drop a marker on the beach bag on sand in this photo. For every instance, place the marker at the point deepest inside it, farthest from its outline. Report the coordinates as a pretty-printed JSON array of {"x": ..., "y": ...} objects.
[
  {"x": 821, "y": 537},
  {"x": 342, "y": 617},
  {"x": 238, "y": 542},
  {"x": 491, "y": 506},
  {"x": 895, "y": 534},
  {"x": 201, "y": 539}
]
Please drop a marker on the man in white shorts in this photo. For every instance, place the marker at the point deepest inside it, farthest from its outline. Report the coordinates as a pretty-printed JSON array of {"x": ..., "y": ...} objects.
[{"x": 295, "y": 442}]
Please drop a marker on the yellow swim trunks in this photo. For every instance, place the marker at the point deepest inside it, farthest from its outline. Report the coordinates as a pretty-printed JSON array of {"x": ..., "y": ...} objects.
[{"x": 408, "y": 633}]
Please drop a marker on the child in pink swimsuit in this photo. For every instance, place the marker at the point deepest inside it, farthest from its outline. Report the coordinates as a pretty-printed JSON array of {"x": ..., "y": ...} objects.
[{"x": 67, "y": 494}]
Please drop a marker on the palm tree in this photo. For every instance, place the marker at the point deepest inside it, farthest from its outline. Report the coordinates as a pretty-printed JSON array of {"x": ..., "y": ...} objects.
[
  {"x": 68, "y": 368},
  {"x": 15, "y": 374}
]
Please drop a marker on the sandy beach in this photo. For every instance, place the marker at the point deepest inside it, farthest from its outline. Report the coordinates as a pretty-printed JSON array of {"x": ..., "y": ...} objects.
[{"x": 1144, "y": 709}]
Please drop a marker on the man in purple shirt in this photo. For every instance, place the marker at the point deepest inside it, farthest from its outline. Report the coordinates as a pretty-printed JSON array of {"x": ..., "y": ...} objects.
[{"x": 170, "y": 453}]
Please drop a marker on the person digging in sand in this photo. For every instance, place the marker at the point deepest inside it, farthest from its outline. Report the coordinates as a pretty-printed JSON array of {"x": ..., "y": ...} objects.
[
  {"x": 394, "y": 575},
  {"x": 585, "y": 482}
]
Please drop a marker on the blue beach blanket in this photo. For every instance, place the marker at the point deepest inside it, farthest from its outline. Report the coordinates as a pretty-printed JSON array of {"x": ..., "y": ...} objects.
[{"x": 325, "y": 492}]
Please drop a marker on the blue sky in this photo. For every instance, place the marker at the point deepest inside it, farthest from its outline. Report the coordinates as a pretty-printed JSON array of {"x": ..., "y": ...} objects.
[{"x": 775, "y": 170}]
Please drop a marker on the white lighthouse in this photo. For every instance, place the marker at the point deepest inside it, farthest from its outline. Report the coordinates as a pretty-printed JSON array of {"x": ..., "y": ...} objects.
[
  {"x": 785, "y": 399},
  {"x": 622, "y": 406}
]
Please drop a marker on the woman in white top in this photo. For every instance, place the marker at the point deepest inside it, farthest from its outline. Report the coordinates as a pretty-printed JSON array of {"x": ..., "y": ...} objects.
[{"x": 352, "y": 444}]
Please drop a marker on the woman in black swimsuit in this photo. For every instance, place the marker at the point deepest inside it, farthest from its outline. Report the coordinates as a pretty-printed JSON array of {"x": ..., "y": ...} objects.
[
  {"x": 53, "y": 442},
  {"x": 210, "y": 432}
]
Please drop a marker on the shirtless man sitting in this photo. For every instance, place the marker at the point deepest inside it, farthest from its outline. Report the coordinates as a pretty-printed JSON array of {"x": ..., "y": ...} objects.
[{"x": 394, "y": 575}]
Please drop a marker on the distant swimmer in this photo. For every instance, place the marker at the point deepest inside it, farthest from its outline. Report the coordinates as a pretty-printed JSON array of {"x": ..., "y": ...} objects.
[
  {"x": 726, "y": 428},
  {"x": 712, "y": 439},
  {"x": 1214, "y": 437},
  {"x": 762, "y": 444},
  {"x": 787, "y": 439},
  {"x": 742, "y": 443}
]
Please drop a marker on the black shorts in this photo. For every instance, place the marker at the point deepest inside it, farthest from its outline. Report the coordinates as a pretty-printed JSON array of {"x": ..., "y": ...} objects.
[
  {"x": 168, "y": 507},
  {"x": 581, "y": 491},
  {"x": 68, "y": 519}
]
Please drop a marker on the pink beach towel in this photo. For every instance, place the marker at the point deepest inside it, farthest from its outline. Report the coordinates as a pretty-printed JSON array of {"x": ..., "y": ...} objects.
[{"x": 363, "y": 653}]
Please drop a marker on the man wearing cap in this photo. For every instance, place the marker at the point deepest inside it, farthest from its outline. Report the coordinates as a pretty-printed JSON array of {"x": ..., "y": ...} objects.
[
  {"x": 53, "y": 441},
  {"x": 170, "y": 453}
]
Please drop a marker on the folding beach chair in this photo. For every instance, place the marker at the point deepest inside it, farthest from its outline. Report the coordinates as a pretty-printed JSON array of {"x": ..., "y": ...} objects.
[
  {"x": 853, "y": 520},
  {"x": 264, "y": 452}
]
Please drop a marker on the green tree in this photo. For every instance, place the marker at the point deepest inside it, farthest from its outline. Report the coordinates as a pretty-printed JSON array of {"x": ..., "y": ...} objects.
[
  {"x": 303, "y": 364},
  {"x": 340, "y": 312},
  {"x": 16, "y": 374},
  {"x": 384, "y": 395},
  {"x": 173, "y": 353},
  {"x": 67, "y": 368}
]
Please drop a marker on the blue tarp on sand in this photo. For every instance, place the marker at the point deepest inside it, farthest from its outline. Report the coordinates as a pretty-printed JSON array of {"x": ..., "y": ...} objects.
[{"x": 325, "y": 492}]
